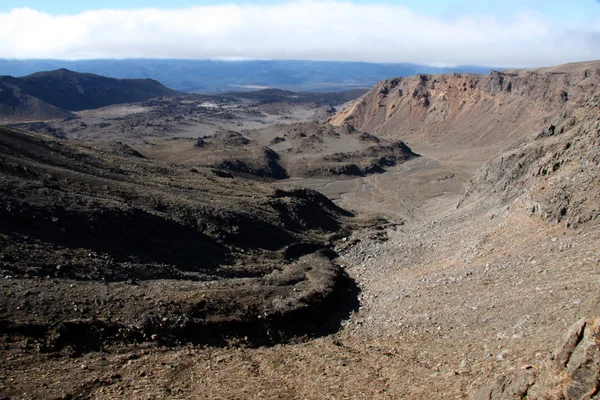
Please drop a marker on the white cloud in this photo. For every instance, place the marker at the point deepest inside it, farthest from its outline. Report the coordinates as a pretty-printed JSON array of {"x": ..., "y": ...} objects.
[{"x": 323, "y": 30}]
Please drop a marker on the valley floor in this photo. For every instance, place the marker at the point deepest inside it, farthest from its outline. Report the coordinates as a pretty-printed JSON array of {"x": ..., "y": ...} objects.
[{"x": 450, "y": 299}]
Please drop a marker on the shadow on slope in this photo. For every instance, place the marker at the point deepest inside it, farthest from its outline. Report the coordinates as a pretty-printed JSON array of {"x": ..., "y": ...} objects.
[{"x": 121, "y": 249}]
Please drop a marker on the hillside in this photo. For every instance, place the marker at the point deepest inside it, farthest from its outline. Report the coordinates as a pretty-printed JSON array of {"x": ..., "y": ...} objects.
[
  {"x": 502, "y": 268},
  {"x": 488, "y": 111},
  {"x": 53, "y": 94},
  {"x": 550, "y": 179},
  {"x": 17, "y": 105},
  {"x": 211, "y": 254},
  {"x": 541, "y": 126}
]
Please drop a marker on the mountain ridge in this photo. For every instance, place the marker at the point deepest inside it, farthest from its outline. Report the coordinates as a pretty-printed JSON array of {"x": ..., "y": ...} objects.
[
  {"x": 55, "y": 94},
  {"x": 492, "y": 110},
  {"x": 224, "y": 76}
]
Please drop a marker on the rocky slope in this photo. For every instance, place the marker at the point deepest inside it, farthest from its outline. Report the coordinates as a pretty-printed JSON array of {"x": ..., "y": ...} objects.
[
  {"x": 313, "y": 149},
  {"x": 467, "y": 109},
  {"x": 572, "y": 372},
  {"x": 544, "y": 122},
  {"x": 554, "y": 173},
  {"x": 543, "y": 187},
  {"x": 95, "y": 238}
]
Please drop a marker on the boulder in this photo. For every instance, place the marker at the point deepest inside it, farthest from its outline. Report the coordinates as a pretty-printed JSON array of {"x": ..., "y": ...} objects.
[{"x": 571, "y": 373}]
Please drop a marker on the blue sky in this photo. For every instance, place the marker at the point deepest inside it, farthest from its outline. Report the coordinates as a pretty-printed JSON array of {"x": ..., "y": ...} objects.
[
  {"x": 76, "y": 6},
  {"x": 507, "y": 33},
  {"x": 555, "y": 10}
]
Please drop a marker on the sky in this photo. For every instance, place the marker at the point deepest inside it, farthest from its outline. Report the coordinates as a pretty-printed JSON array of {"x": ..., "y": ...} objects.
[{"x": 511, "y": 33}]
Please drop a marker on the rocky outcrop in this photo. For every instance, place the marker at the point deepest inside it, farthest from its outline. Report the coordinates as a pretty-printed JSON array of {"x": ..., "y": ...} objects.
[
  {"x": 571, "y": 373},
  {"x": 482, "y": 110},
  {"x": 545, "y": 122},
  {"x": 552, "y": 173},
  {"x": 316, "y": 150}
]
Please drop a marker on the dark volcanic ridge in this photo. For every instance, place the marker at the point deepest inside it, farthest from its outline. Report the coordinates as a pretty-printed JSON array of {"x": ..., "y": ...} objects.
[
  {"x": 99, "y": 244},
  {"x": 54, "y": 94}
]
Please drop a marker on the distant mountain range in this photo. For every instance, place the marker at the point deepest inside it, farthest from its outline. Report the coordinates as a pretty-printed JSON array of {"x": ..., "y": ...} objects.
[
  {"x": 46, "y": 95},
  {"x": 205, "y": 76}
]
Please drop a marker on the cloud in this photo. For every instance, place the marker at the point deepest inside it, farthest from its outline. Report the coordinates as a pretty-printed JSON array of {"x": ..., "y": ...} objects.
[{"x": 321, "y": 30}]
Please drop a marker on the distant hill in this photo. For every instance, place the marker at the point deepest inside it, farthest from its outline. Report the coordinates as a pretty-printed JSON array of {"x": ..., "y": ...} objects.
[
  {"x": 225, "y": 76},
  {"x": 15, "y": 104},
  {"x": 46, "y": 95}
]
